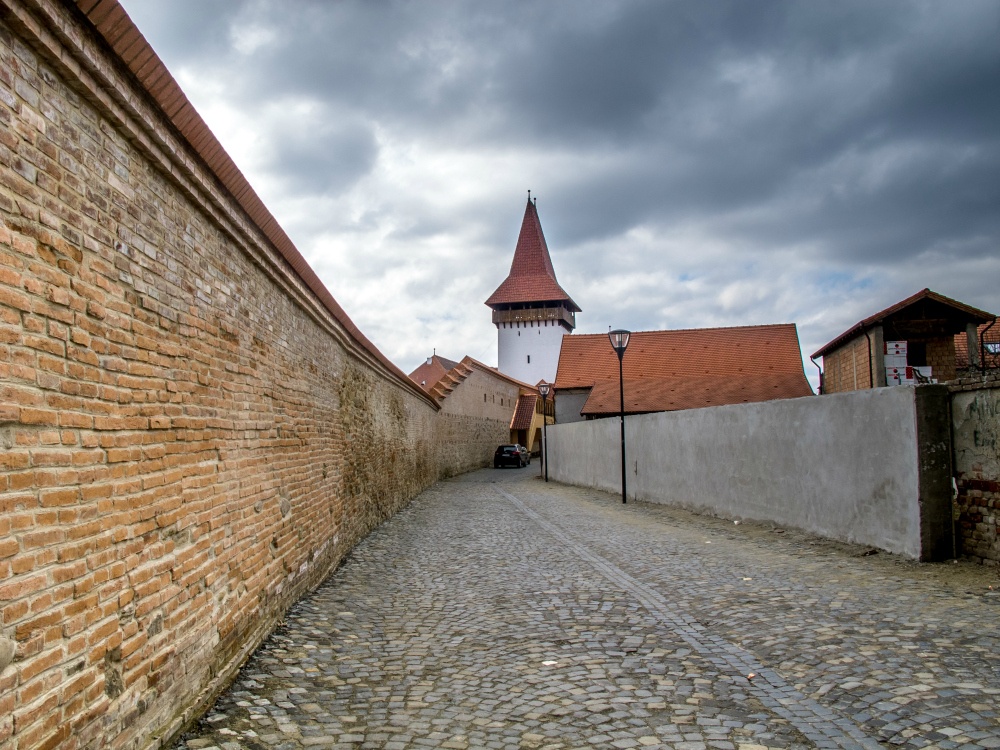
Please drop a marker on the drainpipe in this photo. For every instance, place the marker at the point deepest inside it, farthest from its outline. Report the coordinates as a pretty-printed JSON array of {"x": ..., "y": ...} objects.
[
  {"x": 811, "y": 359},
  {"x": 982, "y": 347},
  {"x": 871, "y": 376}
]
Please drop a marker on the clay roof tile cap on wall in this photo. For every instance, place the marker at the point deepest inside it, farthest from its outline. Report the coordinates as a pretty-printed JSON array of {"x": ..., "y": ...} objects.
[{"x": 112, "y": 22}]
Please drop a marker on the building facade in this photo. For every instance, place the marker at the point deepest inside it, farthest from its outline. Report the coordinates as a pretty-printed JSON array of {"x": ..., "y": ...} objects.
[{"x": 924, "y": 338}]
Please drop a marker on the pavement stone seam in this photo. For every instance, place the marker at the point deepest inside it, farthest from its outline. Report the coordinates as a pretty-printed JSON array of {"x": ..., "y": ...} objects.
[{"x": 812, "y": 719}]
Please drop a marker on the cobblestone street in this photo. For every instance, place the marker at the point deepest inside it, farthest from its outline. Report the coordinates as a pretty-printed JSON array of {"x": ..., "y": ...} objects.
[{"x": 498, "y": 611}]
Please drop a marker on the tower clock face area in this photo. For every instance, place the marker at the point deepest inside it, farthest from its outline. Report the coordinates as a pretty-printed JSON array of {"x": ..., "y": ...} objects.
[{"x": 531, "y": 311}]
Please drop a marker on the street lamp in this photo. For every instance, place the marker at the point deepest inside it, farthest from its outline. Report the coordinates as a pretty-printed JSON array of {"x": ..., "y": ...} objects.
[
  {"x": 543, "y": 388},
  {"x": 619, "y": 342}
]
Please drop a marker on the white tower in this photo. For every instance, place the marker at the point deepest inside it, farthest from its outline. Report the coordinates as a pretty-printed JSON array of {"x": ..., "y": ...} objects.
[{"x": 530, "y": 310}]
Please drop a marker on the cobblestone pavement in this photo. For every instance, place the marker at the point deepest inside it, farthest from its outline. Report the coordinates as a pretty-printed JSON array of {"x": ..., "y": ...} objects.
[{"x": 498, "y": 611}]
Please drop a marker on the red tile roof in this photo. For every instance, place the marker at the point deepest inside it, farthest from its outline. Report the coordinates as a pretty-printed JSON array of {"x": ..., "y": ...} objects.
[
  {"x": 987, "y": 332},
  {"x": 524, "y": 412},
  {"x": 671, "y": 394},
  {"x": 973, "y": 315},
  {"x": 532, "y": 277},
  {"x": 666, "y": 370},
  {"x": 431, "y": 371},
  {"x": 441, "y": 389}
]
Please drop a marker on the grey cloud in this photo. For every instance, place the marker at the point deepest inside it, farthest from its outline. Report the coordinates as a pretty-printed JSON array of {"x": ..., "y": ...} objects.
[
  {"x": 864, "y": 134},
  {"x": 322, "y": 154}
]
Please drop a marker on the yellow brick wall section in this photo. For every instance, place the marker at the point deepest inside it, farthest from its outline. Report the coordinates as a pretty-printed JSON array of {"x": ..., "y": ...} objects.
[
  {"x": 847, "y": 368},
  {"x": 941, "y": 358}
]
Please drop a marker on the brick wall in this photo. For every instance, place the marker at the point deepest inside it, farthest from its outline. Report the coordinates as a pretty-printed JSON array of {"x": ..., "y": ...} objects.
[
  {"x": 848, "y": 368},
  {"x": 189, "y": 437},
  {"x": 975, "y": 411},
  {"x": 941, "y": 358}
]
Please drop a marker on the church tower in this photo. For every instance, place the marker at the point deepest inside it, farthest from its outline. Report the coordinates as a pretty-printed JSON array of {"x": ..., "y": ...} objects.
[{"x": 530, "y": 310}]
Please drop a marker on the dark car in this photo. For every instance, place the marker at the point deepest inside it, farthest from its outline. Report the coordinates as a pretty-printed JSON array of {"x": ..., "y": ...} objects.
[{"x": 511, "y": 455}]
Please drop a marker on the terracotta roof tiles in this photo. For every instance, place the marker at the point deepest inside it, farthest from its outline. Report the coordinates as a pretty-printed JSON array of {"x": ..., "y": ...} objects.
[
  {"x": 524, "y": 412},
  {"x": 736, "y": 351},
  {"x": 684, "y": 369},
  {"x": 987, "y": 332},
  {"x": 431, "y": 371},
  {"x": 532, "y": 277},
  {"x": 671, "y": 394},
  {"x": 973, "y": 314}
]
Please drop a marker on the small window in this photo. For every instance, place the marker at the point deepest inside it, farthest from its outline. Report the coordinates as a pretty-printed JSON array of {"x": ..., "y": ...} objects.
[
  {"x": 529, "y": 359},
  {"x": 916, "y": 353},
  {"x": 993, "y": 347},
  {"x": 484, "y": 398}
]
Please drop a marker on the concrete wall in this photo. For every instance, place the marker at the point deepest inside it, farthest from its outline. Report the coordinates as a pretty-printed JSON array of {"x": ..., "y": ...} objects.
[
  {"x": 190, "y": 435},
  {"x": 976, "y": 425},
  {"x": 569, "y": 403},
  {"x": 871, "y": 467}
]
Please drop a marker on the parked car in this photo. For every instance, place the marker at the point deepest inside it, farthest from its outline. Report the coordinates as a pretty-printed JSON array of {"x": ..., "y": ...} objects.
[{"x": 511, "y": 455}]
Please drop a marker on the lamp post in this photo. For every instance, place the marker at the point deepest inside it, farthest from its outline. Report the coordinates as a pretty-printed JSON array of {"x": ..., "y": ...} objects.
[
  {"x": 543, "y": 388},
  {"x": 619, "y": 342}
]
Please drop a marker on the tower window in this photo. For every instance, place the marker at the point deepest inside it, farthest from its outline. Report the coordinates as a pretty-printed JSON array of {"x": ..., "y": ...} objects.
[{"x": 529, "y": 359}]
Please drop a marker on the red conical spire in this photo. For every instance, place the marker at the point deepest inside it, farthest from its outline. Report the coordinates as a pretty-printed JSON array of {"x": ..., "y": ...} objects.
[{"x": 532, "y": 277}]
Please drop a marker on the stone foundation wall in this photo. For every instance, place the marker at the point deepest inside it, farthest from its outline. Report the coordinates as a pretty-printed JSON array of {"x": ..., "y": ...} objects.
[
  {"x": 975, "y": 413},
  {"x": 189, "y": 437}
]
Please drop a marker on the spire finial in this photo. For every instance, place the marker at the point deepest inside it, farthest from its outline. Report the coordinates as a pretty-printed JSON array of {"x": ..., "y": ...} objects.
[{"x": 529, "y": 196}]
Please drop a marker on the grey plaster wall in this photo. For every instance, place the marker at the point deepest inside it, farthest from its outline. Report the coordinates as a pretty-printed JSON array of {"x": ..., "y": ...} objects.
[
  {"x": 863, "y": 467},
  {"x": 569, "y": 402}
]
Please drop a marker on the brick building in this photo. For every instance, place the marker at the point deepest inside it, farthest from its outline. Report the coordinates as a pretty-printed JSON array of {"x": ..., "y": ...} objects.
[{"x": 925, "y": 331}]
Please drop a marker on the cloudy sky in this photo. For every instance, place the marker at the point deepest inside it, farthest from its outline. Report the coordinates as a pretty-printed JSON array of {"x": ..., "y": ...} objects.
[{"x": 695, "y": 163}]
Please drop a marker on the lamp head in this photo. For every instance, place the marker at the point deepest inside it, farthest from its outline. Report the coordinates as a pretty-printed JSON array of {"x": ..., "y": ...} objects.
[
  {"x": 544, "y": 389},
  {"x": 619, "y": 340}
]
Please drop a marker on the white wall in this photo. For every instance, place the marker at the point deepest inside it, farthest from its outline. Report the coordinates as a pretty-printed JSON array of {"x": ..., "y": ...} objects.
[
  {"x": 516, "y": 342},
  {"x": 850, "y": 466}
]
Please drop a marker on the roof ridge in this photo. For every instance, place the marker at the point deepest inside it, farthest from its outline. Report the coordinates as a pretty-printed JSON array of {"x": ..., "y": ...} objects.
[
  {"x": 872, "y": 320},
  {"x": 691, "y": 330}
]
